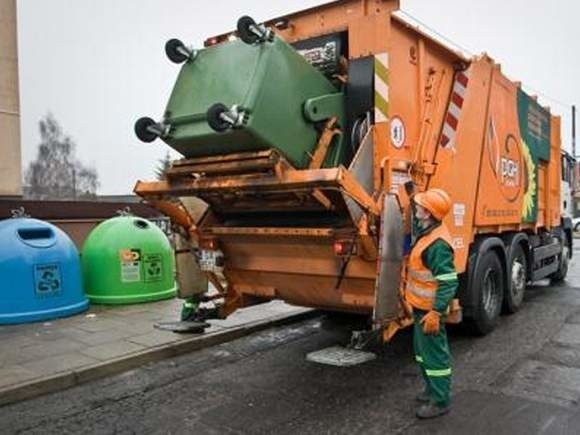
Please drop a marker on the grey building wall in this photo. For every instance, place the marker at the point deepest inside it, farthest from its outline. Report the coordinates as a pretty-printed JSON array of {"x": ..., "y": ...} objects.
[{"x": 10, "y": 160}]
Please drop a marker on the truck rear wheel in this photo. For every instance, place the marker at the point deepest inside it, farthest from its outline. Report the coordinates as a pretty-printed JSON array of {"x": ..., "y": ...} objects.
[
  {"x": 489, "y": 291},
  {"x": 564, "y": 259},
  {"x": 514, "y": 295}
]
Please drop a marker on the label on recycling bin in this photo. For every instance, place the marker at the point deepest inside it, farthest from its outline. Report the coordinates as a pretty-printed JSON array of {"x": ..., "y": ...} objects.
[
  {"x": 130, "y": 265},
  {"x": 47, "y": 279},
  {"x": 153, "y": 267}
]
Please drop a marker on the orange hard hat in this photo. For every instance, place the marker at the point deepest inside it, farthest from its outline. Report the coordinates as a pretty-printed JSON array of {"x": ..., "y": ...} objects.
[{"x": 436, "y": 201}]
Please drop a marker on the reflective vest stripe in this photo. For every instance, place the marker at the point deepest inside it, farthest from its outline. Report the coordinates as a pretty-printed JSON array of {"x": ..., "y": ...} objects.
[
  {"x": 438, "y": 373},
  {"x": 422, "y": 293},
  {"x": 188, "y": 304},
  {"x": 428, "y": 276},
  {"x": 423, "y": 276},
  {"x": 447, "y": 277},
  {"x": 419, "y": 358},
  {"x": 421, "y": 286}
]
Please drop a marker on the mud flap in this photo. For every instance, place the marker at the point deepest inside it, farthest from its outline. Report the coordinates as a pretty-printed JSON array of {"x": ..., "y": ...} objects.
[
  {"x": 190, "y": 278},
  {"x": 389, "y": 262}
]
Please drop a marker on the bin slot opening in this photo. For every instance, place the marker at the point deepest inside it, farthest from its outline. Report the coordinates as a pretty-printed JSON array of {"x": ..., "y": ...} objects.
[
  {"x": 141, "y": 224},
  {"x": 35, "y": 233}
]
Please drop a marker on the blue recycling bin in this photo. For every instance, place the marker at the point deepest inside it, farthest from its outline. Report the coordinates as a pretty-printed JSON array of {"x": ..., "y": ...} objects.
[{"x": 40, "y": 275}]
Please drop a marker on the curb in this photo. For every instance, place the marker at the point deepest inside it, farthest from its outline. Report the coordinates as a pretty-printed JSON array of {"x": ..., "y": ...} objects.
[{"x": 62, "y": 381}]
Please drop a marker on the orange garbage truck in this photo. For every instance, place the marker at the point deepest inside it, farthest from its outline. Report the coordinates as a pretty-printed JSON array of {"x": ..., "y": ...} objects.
[{"x": 303, "y": 139}]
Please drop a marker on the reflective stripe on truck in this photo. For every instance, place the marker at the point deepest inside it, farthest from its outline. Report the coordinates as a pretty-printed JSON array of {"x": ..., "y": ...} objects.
[{"x": 454, "y": 110}]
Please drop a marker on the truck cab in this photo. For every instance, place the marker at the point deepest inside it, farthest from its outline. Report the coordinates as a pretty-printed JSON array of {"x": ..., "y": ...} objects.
[{"x": 568, "y": 183}]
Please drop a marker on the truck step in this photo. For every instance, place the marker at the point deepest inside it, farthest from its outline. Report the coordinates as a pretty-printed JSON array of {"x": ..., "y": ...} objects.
[{"x": 340, "y": 356}]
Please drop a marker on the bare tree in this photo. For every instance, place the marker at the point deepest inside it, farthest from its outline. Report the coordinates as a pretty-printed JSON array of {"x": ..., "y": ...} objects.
[
  {"x": 164, "y": 165},
  {"x": 56, "y": 173}
]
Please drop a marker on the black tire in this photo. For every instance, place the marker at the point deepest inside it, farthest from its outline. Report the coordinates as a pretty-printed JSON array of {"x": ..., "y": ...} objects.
[
  {"x": 172, "y": 52},
  {"x": 214, "y": 120},
  {"x": 489, "y": 290},
  {"x": 577, "y": 227},
  {"x": 517, "y": 280},
  {"x": 142, "y": 129},
  {"x": 244, "y": 32},
  {"x": 564, "y": 259}
]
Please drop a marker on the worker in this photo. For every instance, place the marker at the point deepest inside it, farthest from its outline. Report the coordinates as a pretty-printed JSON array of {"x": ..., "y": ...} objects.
[
  {"x": 430, "y": 287},
  {"x": 189, "y": 308}
]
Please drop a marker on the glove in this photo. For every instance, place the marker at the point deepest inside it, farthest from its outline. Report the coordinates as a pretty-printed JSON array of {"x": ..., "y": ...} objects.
[{"x": 430, "y": 322}]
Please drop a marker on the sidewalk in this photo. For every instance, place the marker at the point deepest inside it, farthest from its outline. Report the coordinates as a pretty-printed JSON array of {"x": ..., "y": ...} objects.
[{"x": 42, "y": 357}]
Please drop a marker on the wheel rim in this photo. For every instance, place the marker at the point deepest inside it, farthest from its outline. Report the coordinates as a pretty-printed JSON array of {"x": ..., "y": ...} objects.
[
  {"x": 518, "y": 278},
  {"x": 490, "y": 292}
]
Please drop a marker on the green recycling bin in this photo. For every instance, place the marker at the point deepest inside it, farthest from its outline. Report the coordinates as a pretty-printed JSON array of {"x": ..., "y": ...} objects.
[
  {"x": 272, "y": 97},
  {"x": 127, "y": 260}
]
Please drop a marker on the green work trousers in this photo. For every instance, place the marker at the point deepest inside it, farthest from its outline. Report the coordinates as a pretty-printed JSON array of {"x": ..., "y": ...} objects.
[
  {"x": 432, "y": 355},
  {"x": 189, "y": 308}
]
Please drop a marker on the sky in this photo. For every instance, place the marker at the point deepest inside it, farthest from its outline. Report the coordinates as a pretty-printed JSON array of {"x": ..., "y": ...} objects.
[{"x": 97, "y": 66}]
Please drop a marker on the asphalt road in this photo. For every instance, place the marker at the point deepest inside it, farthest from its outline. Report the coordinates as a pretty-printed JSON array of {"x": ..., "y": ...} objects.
[{"x": 524, "y": 378}]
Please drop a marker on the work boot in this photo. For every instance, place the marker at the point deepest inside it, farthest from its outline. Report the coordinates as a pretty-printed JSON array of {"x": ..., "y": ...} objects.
[
  {"x": 430, "y": 410},
  {"x": 422, "y": 397}
]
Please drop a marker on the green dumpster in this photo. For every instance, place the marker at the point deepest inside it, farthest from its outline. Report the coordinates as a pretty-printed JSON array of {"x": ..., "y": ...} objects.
[
  {"x": 128, "y": 260},
  {"x": 270, "y": 95}
]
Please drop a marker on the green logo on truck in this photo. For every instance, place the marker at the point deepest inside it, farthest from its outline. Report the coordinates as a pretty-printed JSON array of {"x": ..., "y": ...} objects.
[{"x": 535, "y": 132}]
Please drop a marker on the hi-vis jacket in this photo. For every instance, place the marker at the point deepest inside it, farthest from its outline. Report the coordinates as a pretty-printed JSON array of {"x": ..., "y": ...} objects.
[{"x": 431, "y": 277}]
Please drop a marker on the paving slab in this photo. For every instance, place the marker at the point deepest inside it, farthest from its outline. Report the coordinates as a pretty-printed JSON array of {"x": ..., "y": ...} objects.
[
  {"x": 97, "y": 338},
  {"x": 59, "y": 363},
  {"x": 43, "y": 357},
  {"x": 106, "y": 351},
  {"x": 154, "y": 338},
  {"x": 98, "y": 325}
]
